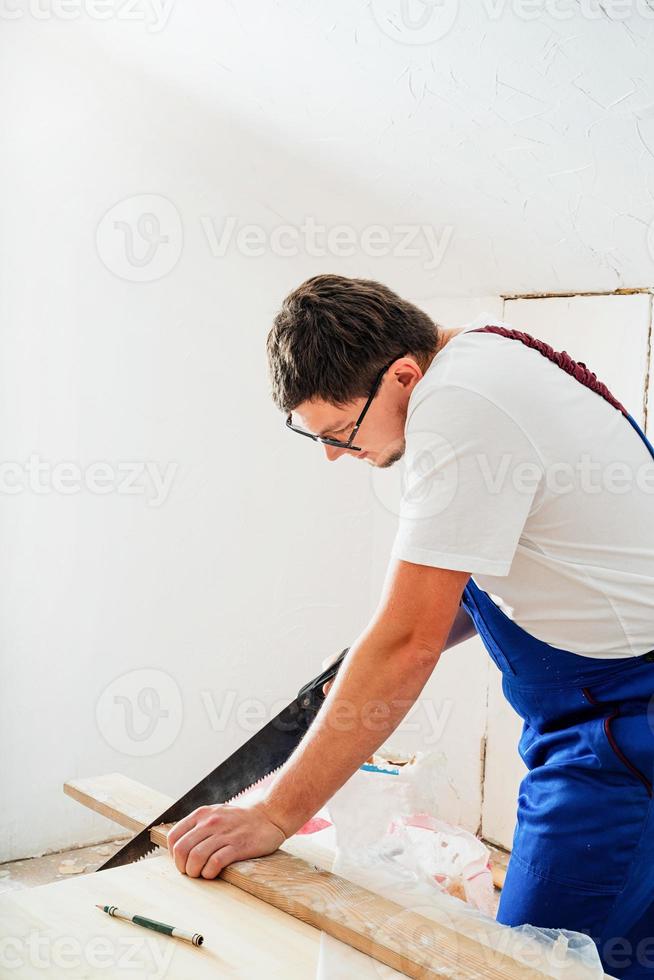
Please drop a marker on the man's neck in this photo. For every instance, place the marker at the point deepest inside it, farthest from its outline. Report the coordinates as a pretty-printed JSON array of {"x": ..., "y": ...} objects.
[
  {"x": 447, "y": 335},
  {"x": 444, "y": 337}
]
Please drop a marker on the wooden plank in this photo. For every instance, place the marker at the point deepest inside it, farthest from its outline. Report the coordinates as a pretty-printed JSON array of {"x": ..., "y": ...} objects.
[
  {"x": 409, "y": 942},
  {"x": 119, "y": 798},
  {"x": 499, "y": 864},
  {"x": 55, "y": 930}
]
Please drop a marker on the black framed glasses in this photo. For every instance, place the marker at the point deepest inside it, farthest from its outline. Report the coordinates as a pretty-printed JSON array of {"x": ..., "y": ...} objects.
[{"x": 342, "y": 443}]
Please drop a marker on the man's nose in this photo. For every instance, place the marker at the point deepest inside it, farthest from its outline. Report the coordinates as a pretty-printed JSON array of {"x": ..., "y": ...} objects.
[{"x": 332, "y": 453}]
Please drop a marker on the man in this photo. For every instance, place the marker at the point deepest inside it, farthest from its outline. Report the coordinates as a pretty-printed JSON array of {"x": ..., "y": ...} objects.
[{"x": 528, "y": 482}]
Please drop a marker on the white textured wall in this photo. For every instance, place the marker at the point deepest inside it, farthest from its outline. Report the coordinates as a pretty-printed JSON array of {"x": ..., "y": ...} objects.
[
  {"x": 151, "y": 632},
  {"x": 520, "y": 133},
  {"x": 254, "y": 567}
]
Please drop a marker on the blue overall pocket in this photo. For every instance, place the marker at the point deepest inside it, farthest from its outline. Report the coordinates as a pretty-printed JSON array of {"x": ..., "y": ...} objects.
[{"x": 627, "y": 737}]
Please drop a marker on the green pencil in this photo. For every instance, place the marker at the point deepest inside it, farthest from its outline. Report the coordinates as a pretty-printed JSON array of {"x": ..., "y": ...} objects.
[{"x": 140, "y": 920}]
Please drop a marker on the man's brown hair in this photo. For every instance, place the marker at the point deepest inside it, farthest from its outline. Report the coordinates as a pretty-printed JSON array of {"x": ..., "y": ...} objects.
[{"x": 333, "y": 335}]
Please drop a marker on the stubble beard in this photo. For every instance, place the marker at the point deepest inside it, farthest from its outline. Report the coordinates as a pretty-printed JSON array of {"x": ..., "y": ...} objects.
[{"x": 390, "y": 460}]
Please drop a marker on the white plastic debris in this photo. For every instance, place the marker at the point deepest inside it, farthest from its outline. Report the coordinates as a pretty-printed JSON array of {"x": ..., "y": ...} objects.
[{"x": 388, "y": 841}]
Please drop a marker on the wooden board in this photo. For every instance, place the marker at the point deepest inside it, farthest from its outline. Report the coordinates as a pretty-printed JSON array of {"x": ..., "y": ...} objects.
[
  {"x": 56, "y": 931},
  {"x": 119, "y": 798},
  {"x": 403, "y": 939}
]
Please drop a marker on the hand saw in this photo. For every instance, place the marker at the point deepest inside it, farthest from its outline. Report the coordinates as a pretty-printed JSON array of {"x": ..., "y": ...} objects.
[{"x": 261, "y": 755}]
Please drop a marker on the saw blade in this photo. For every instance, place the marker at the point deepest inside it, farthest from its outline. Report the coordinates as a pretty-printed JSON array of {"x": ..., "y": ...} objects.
[{"x": 257, "y": 758}]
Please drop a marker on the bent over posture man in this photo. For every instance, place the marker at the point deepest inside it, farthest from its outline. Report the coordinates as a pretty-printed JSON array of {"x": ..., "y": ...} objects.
[{"x": 528, "y": 518}]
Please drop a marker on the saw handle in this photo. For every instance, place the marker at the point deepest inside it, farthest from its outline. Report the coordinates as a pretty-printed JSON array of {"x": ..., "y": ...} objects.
[{"x": 311, "y": 696}]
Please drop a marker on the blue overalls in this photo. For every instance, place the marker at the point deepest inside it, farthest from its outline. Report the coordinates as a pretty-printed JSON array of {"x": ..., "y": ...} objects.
[{"x": 583, "y": 846}]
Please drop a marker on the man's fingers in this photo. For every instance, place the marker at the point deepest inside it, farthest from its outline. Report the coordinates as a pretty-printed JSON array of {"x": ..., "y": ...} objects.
[
  {"x": 219, "y": 860},
  {"x": 201, "y": 853},
  {"x": 326, "y": 687},
  {"x": 219, "y": 834},
  {"x": 183, "y": 826},
  {"x": 183, "y": 847}
]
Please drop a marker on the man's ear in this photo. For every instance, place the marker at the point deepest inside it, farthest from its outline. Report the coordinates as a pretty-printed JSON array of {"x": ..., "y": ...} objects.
[{"x": 407, "y": 372}]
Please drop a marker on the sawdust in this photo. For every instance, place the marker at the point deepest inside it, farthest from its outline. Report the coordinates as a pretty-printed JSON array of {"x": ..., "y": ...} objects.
[{"x": 72, "y": 867}]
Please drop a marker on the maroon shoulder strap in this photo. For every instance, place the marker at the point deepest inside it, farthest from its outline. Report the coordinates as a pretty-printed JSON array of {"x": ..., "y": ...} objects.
[{"x": 562, "y": 359}]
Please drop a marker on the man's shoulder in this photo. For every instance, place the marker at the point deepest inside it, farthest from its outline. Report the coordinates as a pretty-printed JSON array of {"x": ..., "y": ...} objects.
[{"x": 501, "y": 370}]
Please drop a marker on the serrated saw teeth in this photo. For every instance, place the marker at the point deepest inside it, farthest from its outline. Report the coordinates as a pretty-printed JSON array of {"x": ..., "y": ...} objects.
[{"x": 257, "y": 782}]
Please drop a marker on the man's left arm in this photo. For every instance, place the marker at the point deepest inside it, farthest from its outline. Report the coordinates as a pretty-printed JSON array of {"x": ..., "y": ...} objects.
[{"x": 378, "y": 682}]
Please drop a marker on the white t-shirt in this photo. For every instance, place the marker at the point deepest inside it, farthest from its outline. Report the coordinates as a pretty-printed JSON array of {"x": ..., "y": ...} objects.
[{"x": 537, "y": 486}]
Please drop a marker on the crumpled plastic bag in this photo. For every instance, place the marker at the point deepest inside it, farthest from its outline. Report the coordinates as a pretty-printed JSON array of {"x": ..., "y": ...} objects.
[
  {"x": 456, "y": 860},
  {"x": 369, "y": 815}
]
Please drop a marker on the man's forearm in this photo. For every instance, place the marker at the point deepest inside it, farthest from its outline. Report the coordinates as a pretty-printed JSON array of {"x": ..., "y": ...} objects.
[{"x": 378, "y": 682}]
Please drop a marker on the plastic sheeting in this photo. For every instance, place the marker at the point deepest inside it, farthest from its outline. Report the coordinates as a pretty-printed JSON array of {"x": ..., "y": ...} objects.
[{"x": 375, "y": 849}]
